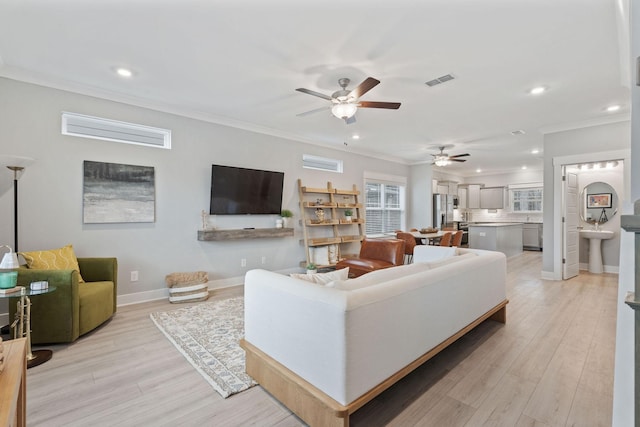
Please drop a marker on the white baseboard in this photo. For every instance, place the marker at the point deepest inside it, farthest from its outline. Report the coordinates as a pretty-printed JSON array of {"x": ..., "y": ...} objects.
[{"x": 548, "y": 275}]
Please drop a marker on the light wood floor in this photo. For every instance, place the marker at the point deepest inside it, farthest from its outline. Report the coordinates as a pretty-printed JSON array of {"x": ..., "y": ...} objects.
[{"x": 550, "y": 365}]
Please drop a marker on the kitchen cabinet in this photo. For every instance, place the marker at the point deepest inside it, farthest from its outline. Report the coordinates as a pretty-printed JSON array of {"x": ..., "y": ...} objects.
[
  {"x": 447, "y": 187},
  {"x": 473, "y": 196},
  {"x": 492, "y": 198},
  {"x": 532, "y": 237},
  {"x": 503, "y": 237},
  {"x": 462, "y": 197}
]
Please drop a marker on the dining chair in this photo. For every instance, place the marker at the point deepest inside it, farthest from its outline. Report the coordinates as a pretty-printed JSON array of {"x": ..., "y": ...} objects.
[
  {"x": 409, "y": 244},
  {"x": 457, "y": 239},
  {"x": 445, "y": 240}
]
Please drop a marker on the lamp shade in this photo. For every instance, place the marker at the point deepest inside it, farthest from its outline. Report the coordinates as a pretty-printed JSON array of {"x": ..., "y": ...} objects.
[{"x": 9, "y": 260}]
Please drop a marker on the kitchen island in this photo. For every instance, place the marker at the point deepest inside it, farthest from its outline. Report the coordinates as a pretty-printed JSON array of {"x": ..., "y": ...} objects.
[{"x": 505, "y": 237}]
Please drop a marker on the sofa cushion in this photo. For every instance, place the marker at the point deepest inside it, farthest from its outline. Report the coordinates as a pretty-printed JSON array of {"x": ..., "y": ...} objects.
[
  {"x": 93, "y": 310},
  {"x": 449, "y": 260},
  {"x": 55, "y": 259},
  {"x": 379, "y": 276},
  {"x": 324, "y": 278},
  {"x": 426, "y": 253}
]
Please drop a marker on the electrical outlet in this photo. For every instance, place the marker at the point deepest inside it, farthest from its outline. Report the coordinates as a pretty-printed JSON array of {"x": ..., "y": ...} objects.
[
  {"x": 134, "y": 276},
  {"x": 264, "y": 260},
  {"x": 243, "y": 262}
]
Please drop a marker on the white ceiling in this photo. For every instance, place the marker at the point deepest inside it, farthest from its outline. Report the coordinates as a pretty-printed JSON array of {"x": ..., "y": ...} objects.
[{"x": 238, "y": 62}]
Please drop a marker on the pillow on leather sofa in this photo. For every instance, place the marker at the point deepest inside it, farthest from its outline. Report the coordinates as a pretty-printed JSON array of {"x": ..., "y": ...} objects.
[{"x": 324, "y": 278}]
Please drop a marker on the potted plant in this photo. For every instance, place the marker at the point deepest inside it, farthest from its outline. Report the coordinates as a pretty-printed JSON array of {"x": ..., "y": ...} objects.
[
  {"x": 286, "y": 215},
  {"x": 348, "y": 213},
  {"x": 312, "y": 268}
]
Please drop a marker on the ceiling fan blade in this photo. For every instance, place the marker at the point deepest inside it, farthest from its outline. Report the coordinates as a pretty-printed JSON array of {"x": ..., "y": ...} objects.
[
  {"x": 457, "y": 160},
  {"x": 459, "y": 155},
  {"x": 388, "y": 105},
  {"x": 350, "y": 120},
  {"x": 317, "y": 110},
  {"x": 364, "y": 87},
  {"x": 314, "y": 93}
]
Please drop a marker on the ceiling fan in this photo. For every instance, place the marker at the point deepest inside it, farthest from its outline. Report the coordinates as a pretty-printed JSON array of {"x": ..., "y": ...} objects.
[
  {"x": 345, "y": 102},
  {"x": 443, "y": 159}
]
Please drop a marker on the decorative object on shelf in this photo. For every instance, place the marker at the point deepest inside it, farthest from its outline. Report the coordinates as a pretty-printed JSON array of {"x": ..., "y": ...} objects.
[
  {"x": 312, "y": 268},
  {"x": 348, "y": 213},
  {"x": 320, "y": 215},
  {"x": 205, "y": 221},
  {"x": 8, "y": 267},
  {"x": 333, "y": 254},
  {"x": 115, "y": 193},
  {"x": 279, "y": 222},
  {"x": 287, "y": 216}
]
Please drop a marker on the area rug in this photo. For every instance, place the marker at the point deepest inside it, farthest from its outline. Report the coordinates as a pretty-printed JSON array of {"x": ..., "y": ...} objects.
[{"x": 207, "y": 335}]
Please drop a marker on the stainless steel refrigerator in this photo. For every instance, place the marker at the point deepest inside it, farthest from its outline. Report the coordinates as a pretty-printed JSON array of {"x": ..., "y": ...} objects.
[{"x": 443, "y": 205}]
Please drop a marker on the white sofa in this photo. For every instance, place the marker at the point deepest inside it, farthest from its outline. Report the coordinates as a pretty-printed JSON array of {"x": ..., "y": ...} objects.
[{"x": 324, "y": 351}]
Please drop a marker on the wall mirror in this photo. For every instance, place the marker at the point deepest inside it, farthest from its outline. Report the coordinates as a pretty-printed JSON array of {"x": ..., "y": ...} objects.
[{"x": 599, "y": 203}]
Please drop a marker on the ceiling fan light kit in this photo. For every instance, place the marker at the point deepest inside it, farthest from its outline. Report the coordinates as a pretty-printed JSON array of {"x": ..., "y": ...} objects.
[{"x": 344, "y": 110}]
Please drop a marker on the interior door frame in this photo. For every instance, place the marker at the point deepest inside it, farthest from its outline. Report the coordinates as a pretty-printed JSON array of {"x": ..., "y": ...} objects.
[{"x": 558, "y": 189}]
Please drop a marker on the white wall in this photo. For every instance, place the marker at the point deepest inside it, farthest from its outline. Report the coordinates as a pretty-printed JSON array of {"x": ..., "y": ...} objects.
[
  {"x": 623, "y": 389},
  {"x": 50, "y": 213}
]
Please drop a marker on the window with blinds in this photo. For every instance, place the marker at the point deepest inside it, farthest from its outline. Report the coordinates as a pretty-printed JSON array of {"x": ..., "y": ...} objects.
[
  {"x": 526, "y": 199},
  {"x": 384, "y": 207}
]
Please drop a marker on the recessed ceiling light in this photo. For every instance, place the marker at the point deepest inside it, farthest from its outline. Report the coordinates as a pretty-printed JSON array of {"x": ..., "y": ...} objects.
[
  {"x": 524, "y": 167},
  {"x": 478, "y": 170},
  {"x": 124, "y": 72},
  {"x": 613, "y": 108},
  {"x": 537, "y": 90},
  {"x": 535, "y": 151},
  {"x": 355, "y": 136}
]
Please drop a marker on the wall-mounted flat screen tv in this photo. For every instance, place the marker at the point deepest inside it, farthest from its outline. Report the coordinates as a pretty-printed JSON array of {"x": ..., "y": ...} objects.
[{"x": 241, "y": 191}]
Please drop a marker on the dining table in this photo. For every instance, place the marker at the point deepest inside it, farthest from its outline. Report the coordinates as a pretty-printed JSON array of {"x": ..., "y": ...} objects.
[{"x": 428, "y": 237}]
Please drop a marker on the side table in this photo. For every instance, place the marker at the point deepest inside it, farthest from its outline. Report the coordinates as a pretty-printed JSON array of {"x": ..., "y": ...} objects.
[{"x": 22, "y": 324}]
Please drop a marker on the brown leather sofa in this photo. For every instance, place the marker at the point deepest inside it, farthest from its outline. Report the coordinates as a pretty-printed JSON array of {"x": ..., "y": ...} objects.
[{"x": 375, "y": 254}]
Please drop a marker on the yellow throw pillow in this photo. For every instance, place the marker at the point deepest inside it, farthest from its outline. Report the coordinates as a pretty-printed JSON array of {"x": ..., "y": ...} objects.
[{"x": 54, "y": 259}]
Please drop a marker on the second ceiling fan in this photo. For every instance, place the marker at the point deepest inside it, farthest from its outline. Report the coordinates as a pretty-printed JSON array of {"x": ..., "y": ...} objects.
[
  {"x": 346, "y": 102},
  {"x": 443, "y": 159}
]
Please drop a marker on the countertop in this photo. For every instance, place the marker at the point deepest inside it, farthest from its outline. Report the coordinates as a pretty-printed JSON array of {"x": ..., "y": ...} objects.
[
  {"x": 495, "y": 224},
  {"x": 502, "y": 222}
]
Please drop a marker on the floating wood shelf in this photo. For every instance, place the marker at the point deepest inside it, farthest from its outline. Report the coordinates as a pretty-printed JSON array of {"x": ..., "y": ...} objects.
[{"x": 236, "y": 234}]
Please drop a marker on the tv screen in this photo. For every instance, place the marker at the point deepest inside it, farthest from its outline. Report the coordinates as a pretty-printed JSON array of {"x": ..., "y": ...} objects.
[{"x": 237, "y": 191}]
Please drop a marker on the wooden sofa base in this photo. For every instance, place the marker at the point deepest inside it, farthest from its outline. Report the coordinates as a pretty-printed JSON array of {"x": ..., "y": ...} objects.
[{"x": 314, "y": 406}]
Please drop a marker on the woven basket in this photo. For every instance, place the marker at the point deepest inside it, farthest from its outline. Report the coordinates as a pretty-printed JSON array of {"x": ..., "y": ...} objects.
[{"x": 187, "y": 287}]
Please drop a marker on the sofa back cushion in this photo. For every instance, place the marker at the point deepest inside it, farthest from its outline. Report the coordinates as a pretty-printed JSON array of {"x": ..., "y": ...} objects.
[
  {"x": 323, "y": 278},
  {"x": 379, "y": 276},
  {"x": 389, "y": 250},
  {"x": 427, "y": 253}
]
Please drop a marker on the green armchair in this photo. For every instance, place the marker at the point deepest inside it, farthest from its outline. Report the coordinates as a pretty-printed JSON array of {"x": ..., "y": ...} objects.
[{"x": 73, "y": 309}]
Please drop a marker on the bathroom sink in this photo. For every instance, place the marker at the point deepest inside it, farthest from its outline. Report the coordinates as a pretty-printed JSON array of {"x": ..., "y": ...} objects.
[
  {"x": 597, "y": 234},
  {"x": 595, "y": 252}
]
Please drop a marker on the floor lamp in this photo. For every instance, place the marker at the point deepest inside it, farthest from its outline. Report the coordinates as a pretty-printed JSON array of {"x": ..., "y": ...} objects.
[{"x": 16, "y": 170}]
